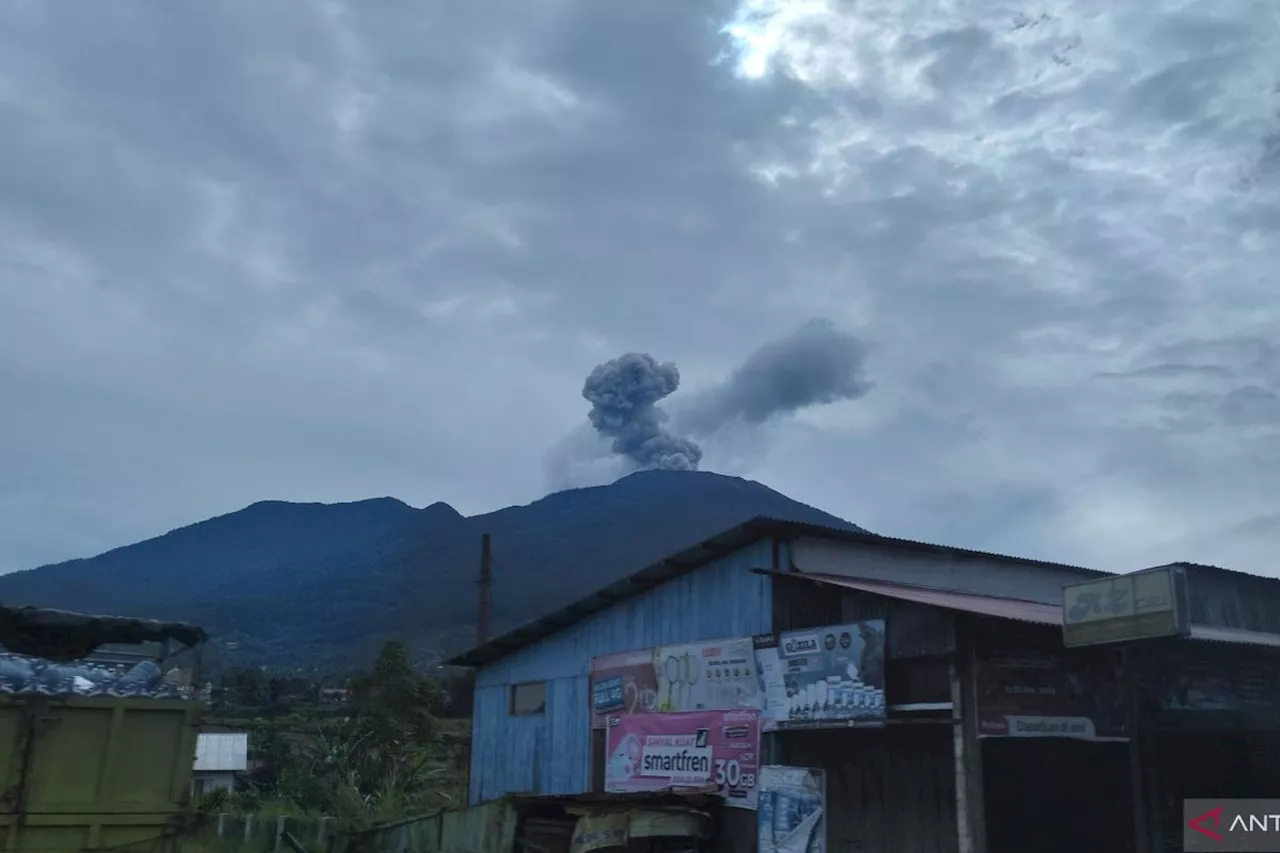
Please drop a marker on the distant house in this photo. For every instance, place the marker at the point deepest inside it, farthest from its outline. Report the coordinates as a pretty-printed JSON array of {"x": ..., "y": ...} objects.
[{"x": 219, "y": 757}]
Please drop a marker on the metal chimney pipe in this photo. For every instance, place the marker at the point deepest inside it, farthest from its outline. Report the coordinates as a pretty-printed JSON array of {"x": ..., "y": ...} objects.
[{"x": 485, "y": 614}]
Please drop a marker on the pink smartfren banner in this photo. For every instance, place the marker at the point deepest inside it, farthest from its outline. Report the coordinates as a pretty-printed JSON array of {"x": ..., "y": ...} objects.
[{"x": 654, "y": 752}]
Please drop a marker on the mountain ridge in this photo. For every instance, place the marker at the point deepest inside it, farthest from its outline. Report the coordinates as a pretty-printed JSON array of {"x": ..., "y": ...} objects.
[{"x": 319, "y": 586}]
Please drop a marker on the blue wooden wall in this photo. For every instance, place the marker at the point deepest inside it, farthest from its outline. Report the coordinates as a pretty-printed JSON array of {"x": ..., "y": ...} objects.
[{"x": 551, "y": 753}]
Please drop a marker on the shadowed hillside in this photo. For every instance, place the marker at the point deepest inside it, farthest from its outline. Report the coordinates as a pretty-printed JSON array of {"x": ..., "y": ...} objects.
[{"x": 319, "y": 586}]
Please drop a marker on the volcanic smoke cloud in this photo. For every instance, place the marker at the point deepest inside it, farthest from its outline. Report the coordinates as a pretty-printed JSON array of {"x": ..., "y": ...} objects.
[
  {"x": 623, "y": 393},
  {"x": 815, "y": 365}
]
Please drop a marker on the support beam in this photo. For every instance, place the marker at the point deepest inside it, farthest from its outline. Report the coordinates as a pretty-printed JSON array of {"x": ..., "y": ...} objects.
[{"x": 971, "y": 831}]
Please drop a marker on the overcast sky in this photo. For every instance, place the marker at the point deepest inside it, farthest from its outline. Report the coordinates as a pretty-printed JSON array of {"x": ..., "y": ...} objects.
[{"x": 323, "y": 251}]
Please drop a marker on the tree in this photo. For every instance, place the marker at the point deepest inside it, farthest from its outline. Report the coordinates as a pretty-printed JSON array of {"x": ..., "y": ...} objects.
[
  {"x": 394, "y": 703},
  {"x": 380, "y": 759}
]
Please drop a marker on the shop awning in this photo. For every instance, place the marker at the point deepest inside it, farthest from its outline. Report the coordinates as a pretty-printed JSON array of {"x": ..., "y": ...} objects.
[
  {"x": 1239, "y": 636},
  {"x": 1016, "y": 609}
]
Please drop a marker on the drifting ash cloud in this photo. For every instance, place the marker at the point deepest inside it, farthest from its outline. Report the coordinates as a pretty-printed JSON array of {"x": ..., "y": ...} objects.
[{"x": 816, "y": 365}]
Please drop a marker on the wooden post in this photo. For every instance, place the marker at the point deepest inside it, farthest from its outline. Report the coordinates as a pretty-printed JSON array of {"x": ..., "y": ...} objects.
[
  {"x": 222, "y": 824},
  {"x": 248, "y": 828},
  {"x": 280, "y": 821},
  {"x": 971, "y": 830},
  {"x": 1130, "y": 663}
]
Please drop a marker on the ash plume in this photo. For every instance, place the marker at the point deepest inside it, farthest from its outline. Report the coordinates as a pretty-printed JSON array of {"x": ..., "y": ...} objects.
[
  {"x": 623, "y": 394},
  {"x": 815, "y": 365}
]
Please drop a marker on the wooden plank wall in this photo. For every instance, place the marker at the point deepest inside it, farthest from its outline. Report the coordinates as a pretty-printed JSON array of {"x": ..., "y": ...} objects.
[
  {"x": 550, "y": 753},
  {"x": 888, "y": 790}
]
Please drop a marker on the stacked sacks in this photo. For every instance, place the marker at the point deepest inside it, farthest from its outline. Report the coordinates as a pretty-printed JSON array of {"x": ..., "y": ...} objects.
[{"x": 20, "y": 675}]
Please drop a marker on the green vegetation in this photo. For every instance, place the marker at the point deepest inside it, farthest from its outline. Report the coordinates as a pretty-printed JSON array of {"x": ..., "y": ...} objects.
[{"x": 385, "y": 745}]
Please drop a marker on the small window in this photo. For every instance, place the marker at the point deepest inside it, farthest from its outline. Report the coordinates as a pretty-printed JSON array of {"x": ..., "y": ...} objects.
[{"x": 529, "y": 698}]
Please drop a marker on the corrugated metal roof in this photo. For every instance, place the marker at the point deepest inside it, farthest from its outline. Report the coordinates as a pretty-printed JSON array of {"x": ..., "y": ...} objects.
[
  {"x": 669, "y": 796},
  {"x": 701, "y": 554},
  {"x": 1240, "y": 636},
  {"x": 1211, "y": 569},
  {"x": 984, "y": 605},
  {"x": 222, "y": 751}
]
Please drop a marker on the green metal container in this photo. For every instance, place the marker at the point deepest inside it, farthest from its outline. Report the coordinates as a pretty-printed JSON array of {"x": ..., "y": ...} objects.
[{"x": 80, "y": 773}]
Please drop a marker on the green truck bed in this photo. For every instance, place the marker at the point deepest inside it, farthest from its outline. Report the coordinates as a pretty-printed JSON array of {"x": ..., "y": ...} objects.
[{"x": 93, "y": 773}]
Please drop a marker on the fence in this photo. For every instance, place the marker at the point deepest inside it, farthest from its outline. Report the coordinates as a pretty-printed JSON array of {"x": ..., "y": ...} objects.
[
  {"x": 265, "y": 834},
  {"x": 480, "y": 829}
]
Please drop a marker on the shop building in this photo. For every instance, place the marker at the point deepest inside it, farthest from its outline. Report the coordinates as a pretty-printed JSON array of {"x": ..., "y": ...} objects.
[
  {"x": 976, "y": 729},
  {"x": 1202, "y": 645}
]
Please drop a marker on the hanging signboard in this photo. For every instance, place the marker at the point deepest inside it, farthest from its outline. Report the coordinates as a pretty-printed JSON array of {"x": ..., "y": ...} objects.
[
  {"x": 691, "y": 749},
  {"x": 717, "y": 675},
  {"x": 1126, "y": 607},
  {"x": 823, "y": 677},
  {"x": 791, "y": 815},
  {"x": 1042, "y": 694}
]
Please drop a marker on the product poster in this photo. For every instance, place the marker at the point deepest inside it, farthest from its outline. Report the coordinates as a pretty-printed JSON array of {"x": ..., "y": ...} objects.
[
  {"x": 623, "y": 683},
  {"x": 792, "y": 810},
  {"x": 713, "y": 676},
  {"x": 691, "y": 749},
  {"x": 829, "y": 677}
]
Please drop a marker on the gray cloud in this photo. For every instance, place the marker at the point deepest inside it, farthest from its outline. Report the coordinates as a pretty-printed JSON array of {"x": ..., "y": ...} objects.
[{"x": 255, "y": 272}]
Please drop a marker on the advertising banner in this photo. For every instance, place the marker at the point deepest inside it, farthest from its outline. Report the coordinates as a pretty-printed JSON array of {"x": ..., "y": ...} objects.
[
  {"x": 623, "y": 683},
  {"x": 823, "y": 677},
  {"x": 715, "y": 676},
  {"x": 1239, "y": 686},
  {"x": 1042, "y": 694},
  {"x": 791, "y": 815},
  {"x": 718, "y": 675},
  {"x": 692, "y": 749}
]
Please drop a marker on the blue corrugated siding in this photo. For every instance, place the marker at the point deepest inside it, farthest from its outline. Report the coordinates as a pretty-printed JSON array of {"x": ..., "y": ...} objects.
[{"x": 551, "y": 754}]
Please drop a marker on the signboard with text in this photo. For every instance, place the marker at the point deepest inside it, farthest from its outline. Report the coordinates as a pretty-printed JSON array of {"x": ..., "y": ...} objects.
[
  {"x": 693, "y": 749},
  {"x": 1025, "y": 693},
  {"x": 830, "y": 677},
  {"x": 716, "y": 675},
  {"x": 623, "y": 683},
  {"x": 1244, "y": 686},
  {"x": 1126, "y": 607}
]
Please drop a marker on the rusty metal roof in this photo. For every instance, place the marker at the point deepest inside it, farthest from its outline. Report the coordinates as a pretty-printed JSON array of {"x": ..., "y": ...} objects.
[{"x": 1016, "y": 609}]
